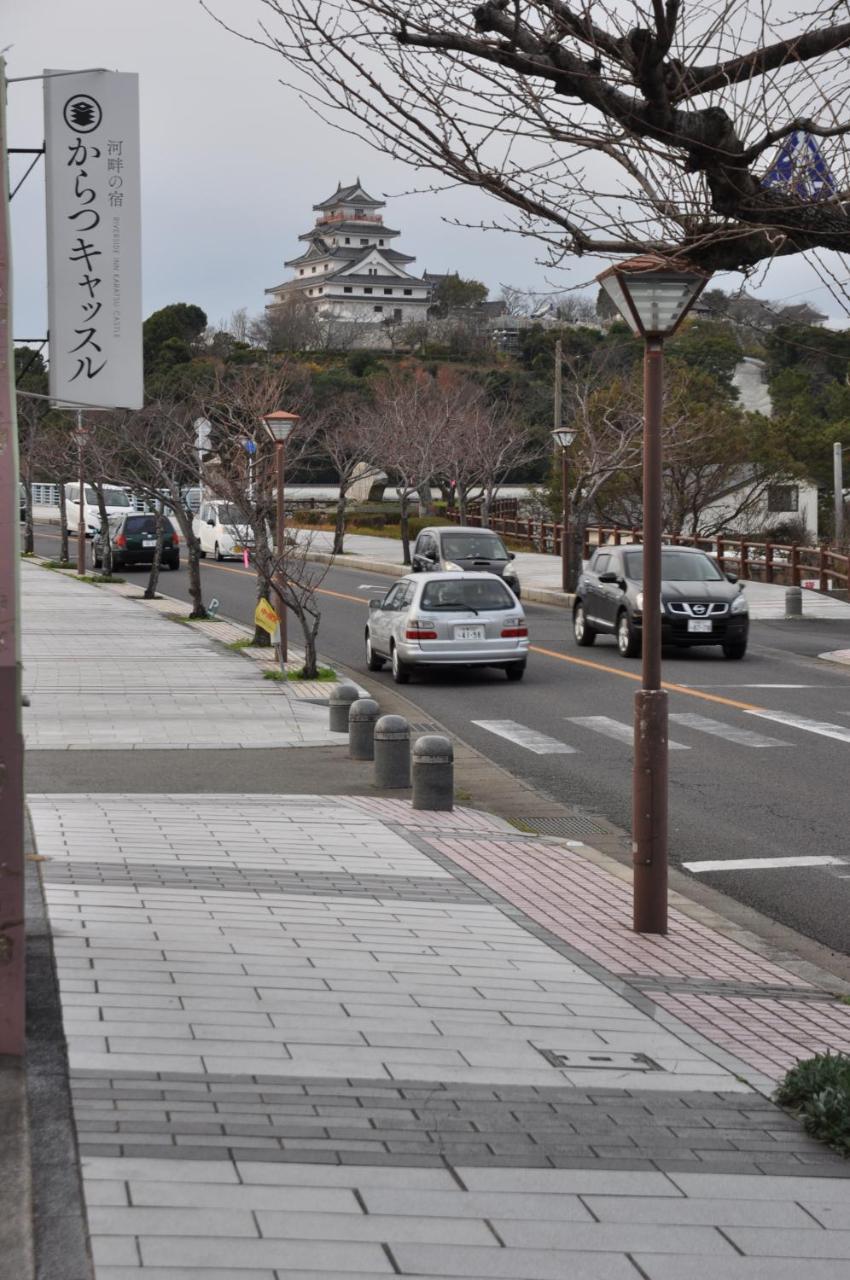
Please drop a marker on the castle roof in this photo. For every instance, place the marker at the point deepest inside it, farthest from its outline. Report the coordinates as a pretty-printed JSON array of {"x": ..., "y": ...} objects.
[{"x": 353, "y": 194}]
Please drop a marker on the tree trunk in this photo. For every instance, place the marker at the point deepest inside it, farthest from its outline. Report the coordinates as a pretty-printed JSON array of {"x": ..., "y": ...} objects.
[
  {"x": 106, "y": 565},
  {"x": 339, "y": 524},
  {"x": 156, "y": 563},
  {"x": 193, "y": 556},
  {"x": 263, "y": 564},
  {"x": 486, "y": 506},
  {"x": 404, "y": 527},
  {"x": 426, "y": 502},
  {"x": 63, "y": 524},
  {"x": 309, "y": 630},
  {"x": 29, "y": 533},
  {"x": 461, "y": 505}
]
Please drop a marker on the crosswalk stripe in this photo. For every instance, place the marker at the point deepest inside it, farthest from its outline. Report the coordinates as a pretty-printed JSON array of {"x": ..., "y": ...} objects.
[
  {"x": 731, "y": 732},
  {"x": 822, "y": 727},
  {"x": 762, "y": 864},
  {"x": 522, "y": 736},
  {"x": 616, "y": 729}
]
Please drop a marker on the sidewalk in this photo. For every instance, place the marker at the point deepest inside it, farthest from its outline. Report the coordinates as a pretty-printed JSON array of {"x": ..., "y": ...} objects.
[{"x": 327, "y": 1036}]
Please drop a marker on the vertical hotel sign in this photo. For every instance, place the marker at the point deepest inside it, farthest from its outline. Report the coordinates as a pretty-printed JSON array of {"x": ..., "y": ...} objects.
[{"x": 94, "y": 293}]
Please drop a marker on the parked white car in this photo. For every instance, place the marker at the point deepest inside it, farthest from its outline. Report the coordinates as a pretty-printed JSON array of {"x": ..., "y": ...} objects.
[
  {"x": 118, "y": 503},
  {"x": 222, "y": 530}
]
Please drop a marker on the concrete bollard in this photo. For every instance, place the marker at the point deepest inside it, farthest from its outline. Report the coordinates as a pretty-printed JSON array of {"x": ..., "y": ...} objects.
[
  {"x": 339, "y": 703},
  {"x": 392, "y": 752},
  {"x": 361, "y": 728},
  {"x": 433, "y": 773},
  {"x": 793, "y": 602}
]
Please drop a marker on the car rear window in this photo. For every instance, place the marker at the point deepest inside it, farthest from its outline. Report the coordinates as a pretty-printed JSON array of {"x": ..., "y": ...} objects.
[
  {"x": 147, "y": 524},
  {"x": 473, "y": 546},
  {"x": 468, "y": 593},
  {"x": 676, "y": 566}
]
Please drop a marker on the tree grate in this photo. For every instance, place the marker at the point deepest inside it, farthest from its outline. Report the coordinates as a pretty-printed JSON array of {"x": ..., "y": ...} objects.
[
  {"x": 598, "y": 1060},
  {"x": 573, "y": 826}
]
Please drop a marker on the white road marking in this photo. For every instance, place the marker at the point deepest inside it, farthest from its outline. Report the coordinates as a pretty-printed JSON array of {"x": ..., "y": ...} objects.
[
  {"x": 732, "y": 733},
  {"x": 822, "y": 727},
  {"x": 530, "y": 739},
  {"x": 723, "y": 685},
  {"x": 373, "y": 586},
  {"x": 616, "y": 729},
  {"x": 762, "y": 864}
]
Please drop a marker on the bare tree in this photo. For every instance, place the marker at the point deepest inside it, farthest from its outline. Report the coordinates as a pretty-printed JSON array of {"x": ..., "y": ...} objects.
[
  {"x": 301, "y": 579},
  {"x": 406, "y": 437},
  {"x": 606, "y": 131},
  {"x": 344, "y": 435}
]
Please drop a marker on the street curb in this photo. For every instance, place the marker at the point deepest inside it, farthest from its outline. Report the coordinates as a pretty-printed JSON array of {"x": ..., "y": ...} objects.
[{"x": 16, "y": 1243}]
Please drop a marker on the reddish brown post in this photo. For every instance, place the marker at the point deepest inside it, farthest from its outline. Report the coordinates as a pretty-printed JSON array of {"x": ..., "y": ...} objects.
[
  {"x": 617, "y": 536},
  {"x": 795, "y": 565},
  {"x": 721, "y": 548},
  {"x": 823, "y": 585},
  {"x": 649, "y": 791},
  {"x": 566, "y": 580},
  {"x": 12, "y": 1038},
  {"x": 280, "y": 534},
  {"x": 743, "y": 561},
  {"x": 768, "y": 562}
]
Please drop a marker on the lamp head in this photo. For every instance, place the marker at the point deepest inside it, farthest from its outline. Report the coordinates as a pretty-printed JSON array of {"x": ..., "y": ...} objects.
[
  {"x": 652, "y": 294},
  {"x": 564, "y": 436},
  {"x": 279, "y": 424}
]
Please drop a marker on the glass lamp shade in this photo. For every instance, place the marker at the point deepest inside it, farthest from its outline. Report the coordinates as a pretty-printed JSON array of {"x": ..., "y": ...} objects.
[
  {"x": 563, "y": 436},
  {"x": 653, "y": 296},
  {"x": 279, "y": 425},
  {"x": 81, "y": 434}
]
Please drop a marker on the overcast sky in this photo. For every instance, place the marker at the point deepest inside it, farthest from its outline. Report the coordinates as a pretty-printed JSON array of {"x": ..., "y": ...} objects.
[{"x": 232, "y": 163}]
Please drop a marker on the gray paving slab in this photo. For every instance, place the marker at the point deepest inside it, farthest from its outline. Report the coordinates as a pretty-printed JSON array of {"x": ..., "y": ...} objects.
[
  {"x": 510, "y": 1264},
  {"x": 681, "y": 1267}
]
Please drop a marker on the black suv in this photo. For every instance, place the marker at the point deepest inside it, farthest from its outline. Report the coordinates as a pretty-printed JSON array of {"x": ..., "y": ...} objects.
[
  {"x": 699, "y": 603},
  {"x": 133, "y": 538},
  {"x": 473, "y": 550}
]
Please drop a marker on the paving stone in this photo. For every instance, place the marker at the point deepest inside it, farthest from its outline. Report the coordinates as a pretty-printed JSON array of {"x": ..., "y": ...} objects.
[
  {"x": 456, "y": 1261},
  {"x": 315, "y": 1255}
]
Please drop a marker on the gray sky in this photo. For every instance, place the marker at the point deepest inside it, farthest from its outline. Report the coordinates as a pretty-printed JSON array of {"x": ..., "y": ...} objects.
[{"x": 232, "y": 163}]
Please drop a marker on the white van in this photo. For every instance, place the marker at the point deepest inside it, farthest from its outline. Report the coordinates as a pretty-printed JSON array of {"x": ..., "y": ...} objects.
[
  {"x": 222, "y": 530},
  {"x": 118, "y": 503}
]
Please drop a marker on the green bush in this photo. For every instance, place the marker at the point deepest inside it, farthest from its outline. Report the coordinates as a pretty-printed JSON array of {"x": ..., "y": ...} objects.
[{"x": 818, "y": 1091}]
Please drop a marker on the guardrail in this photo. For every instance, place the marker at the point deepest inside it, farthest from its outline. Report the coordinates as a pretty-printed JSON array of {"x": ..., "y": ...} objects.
[{"x": 786, "y": 564}]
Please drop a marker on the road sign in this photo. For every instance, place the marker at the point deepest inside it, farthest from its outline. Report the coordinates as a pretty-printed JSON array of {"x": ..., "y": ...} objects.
[{"x": 265, "y": 617}]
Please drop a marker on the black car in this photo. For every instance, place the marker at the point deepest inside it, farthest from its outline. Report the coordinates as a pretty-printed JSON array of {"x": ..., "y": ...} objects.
[
  {"x": 447, "y": 548},
  {"x": 133, "y": 538},
  {"x": 699, "y": 603}
]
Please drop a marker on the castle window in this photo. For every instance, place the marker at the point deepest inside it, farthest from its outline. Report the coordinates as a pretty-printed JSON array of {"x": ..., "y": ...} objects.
[
  {"x": 388, "y": 291},
  {"x": 380, "y": 242},
  {"x": 312, "y": 270},
  {"x": 347, "y": 240},
  {"x": 346, "y": 288},
  {"x": 368, "y": 289},
  {"x": 377, "y": 308},
  {"x": 364, "y": 241},
  {"x": 408, "y": 293},
  {"x": 396, "y": 313}
]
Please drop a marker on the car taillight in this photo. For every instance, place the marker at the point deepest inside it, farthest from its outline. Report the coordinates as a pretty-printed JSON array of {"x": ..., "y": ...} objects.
[
  {"x": 420, "y": 631},
  {"x": 514, "y": 632},
  {"x": 120, "y": 541},
  {"x": 175, "y": 540}
]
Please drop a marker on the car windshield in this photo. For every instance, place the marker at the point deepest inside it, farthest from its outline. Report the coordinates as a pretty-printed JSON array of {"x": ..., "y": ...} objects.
[
  {"x": 114, "y": 498},
  {"x": 229, "y": 513},
  {"x": 146, "y": 524},
  {"x": 676, "y": 566},
  {"x": 474, "y": 593},
  {"x": 473, "y": 546}
]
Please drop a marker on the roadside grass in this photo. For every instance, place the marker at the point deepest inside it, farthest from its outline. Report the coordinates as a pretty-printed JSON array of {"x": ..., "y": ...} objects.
[
  {"x": 58, "y": 564},
  {"x": 324, "y": 674},
  {"x": 818, "y": 1091},
  {"x": 245, "y": 643},
  {"x": 98, "y": 578}
]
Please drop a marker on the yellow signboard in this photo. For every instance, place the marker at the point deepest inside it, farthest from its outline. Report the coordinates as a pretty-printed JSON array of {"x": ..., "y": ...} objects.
[{"x": 265, "y": 617}]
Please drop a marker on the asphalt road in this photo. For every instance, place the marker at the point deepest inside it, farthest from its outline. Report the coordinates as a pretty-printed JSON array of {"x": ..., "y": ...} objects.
[{"x": 743, "y": 784}]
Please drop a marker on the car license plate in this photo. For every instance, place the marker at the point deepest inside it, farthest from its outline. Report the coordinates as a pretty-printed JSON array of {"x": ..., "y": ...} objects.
[
  {"x": 702, "y": 625},
  {"x": 148, "y": 542},
  {"x": 469, "y": 633}
]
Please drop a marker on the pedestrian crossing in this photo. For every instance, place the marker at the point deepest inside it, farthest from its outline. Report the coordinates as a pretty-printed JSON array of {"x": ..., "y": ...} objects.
[{"x": 622, "y": 732}]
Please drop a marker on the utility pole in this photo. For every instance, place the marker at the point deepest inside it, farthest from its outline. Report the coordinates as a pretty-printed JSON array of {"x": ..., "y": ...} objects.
[
  {"x": 12, "y": 1021},
  {"x": 838, "y": 485},
  {"x": 556, "y": 419}
]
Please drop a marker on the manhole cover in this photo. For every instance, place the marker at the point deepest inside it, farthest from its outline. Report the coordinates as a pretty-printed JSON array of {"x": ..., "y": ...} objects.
[
  {"x": 575, "y": 825},
  {"x": 594, "y": 1060}
]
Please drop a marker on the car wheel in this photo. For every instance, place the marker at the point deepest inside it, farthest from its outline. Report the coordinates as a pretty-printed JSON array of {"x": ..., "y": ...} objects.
[
  {"x": 173, "y": 564},
  {"x": 217, "y": 553},
  {"x": 582, "y": 630},
  {"x": 373, "y": 660},
  {"x": 735, "y": 649},
  {"x": 401, "y": 671},
  {"x": 96, "y": 561},
  {"x": 515, "y": 671},
  {"x": 202, "y": 554},
  {"x": 628, "y": 641}
]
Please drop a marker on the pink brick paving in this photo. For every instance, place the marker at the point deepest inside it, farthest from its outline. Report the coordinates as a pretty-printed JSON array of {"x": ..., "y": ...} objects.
[
  {"x": 768, "y": 1034},
  {"x": 591, "y": 909}
]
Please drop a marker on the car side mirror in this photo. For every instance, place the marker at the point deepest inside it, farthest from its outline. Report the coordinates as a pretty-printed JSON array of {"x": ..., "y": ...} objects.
[
  {"x": 211, "y": 523},
  {"x": 609, "y": 577},
  {"x": 377, "y": 602},
  {"x": 732, "y": 577},
  {"x": 512, "y": 555}
]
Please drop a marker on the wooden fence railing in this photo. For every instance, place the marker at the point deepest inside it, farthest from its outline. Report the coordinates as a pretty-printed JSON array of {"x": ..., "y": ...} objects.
[{"x": 787, "y": 564}]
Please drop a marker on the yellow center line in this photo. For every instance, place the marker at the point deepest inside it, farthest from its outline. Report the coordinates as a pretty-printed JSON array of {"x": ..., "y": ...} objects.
[{"x": 533, "y": 648}]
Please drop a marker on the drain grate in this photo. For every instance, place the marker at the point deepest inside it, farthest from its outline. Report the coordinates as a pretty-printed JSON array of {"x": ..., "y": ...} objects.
[
  {"x": 425, "y": 727},
  {"x": 599, "y": 1061},
  {"x": 575, "y": 825}
]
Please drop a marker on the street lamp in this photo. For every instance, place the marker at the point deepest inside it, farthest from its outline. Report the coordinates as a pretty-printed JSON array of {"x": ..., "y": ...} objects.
[
  {"x": 81, "y": 434},
  {"x": 279, "y": 426},
  {"x": 653, "y": 295},
  {"x": 563, "y": 437}
]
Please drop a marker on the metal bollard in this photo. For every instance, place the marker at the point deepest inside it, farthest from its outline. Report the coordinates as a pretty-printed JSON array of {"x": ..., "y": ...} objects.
[
  {"x": 339, "y": 703},
  {"x": 433, "y": 773},
  {"x": 361, "y": 728},
  {"x": 392, "y": 752},
  {"x": 793, "y": 602}
]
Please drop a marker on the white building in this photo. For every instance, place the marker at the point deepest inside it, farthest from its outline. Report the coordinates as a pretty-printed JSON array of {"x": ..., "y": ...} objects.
[{"x": 348, "y": 269}]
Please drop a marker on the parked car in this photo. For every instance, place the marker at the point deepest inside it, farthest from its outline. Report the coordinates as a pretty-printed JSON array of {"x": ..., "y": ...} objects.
[
  {"x": 222, "y": 530},
  {"x": 118, "y": 501},
  {"x": 133, "y": 539},
  {"x": 472, "y": 550},
  {"x": 699, "y": 603},
  {"x": 447, "y": 619}
]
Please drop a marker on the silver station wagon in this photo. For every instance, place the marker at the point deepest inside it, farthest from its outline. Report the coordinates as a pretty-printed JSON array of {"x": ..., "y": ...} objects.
[{"x": 447, "y": 619}]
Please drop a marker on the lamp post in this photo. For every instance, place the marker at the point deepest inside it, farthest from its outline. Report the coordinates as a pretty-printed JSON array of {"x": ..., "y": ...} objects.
[
  {"x": 80, "y": 436},
  {"x": 279, "y": 426},
  {"x": 563, "y": 437},
  {"x": 653, "y": 295}
]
